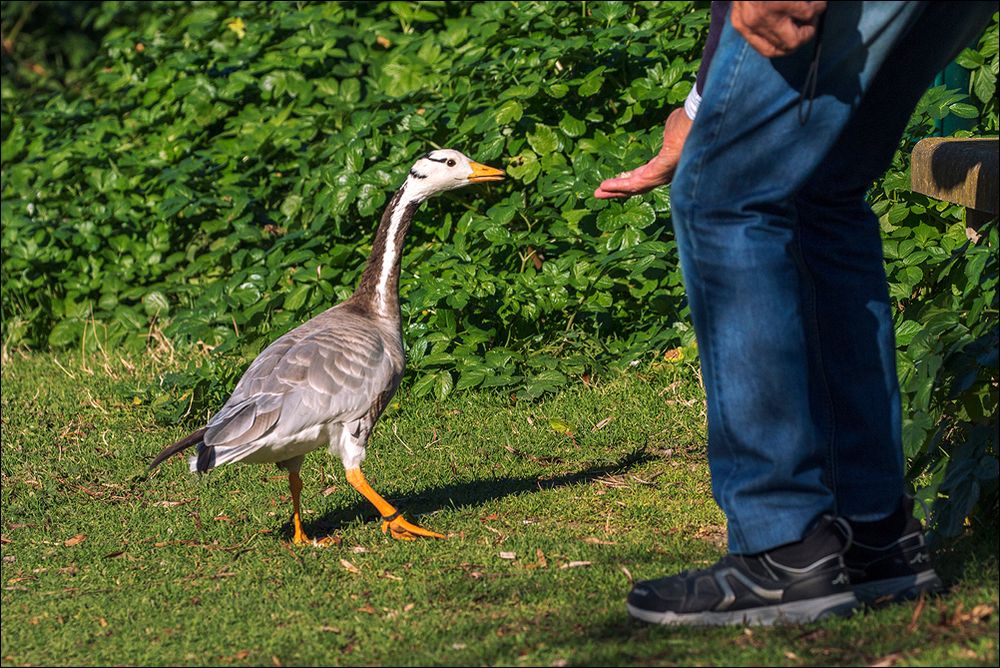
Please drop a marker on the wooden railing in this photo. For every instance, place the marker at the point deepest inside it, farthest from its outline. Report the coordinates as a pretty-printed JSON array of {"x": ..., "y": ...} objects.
[{"x": 961, "y": 171}]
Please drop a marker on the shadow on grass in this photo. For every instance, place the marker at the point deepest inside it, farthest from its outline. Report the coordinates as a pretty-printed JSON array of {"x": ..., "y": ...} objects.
[
  {"x": 468, "y": 494},
  {"x": 962, "y": 557}
]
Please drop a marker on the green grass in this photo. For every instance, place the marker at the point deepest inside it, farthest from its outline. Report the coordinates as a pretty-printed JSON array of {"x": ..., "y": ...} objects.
[{"x": 190, "y": 571}]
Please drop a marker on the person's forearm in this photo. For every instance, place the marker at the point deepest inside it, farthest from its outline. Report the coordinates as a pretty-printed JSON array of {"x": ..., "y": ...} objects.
[{"x": 660, "y": 169}]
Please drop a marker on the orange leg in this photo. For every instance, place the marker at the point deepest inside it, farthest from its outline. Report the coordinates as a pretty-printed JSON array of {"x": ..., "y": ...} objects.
[
  {"x": 295, "y": 485},
  {"x": 392, "y": 520}
]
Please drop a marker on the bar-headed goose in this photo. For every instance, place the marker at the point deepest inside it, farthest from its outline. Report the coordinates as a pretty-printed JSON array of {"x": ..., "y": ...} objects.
[{"x": 326, "y": 382}]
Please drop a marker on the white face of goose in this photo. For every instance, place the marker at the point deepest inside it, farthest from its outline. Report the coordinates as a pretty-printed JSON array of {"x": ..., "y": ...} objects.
[{"x": 446, "y": 169}]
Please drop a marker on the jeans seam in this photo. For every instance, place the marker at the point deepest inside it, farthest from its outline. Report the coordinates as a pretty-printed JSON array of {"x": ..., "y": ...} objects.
[
  {"x": 725, "y": 103},
  {"x": 811, "y": 320}
]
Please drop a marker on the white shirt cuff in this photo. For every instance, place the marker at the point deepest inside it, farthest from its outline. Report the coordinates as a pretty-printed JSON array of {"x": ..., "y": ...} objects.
[{"x": 692, "y": 102}]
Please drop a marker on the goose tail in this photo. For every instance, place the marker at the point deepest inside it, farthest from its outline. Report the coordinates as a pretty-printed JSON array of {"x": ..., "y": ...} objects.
[{"x": 195, "y": 438}]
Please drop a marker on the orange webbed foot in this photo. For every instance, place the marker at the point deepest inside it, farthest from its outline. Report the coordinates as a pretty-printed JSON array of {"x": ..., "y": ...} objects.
[{"x": 400, "y": 529}]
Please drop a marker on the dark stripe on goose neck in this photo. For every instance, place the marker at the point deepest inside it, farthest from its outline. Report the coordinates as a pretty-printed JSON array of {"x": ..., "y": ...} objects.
[
  {"x": 417, "y": 175},
  {"x": 378, "y": 291}
]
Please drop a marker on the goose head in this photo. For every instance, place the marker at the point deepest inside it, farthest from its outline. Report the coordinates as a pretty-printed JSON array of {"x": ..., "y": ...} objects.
[{"x": 446, "y": 169}]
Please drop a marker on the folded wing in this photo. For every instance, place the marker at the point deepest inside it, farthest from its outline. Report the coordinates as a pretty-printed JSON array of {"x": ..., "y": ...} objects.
[{"x": 325, "y": 371}]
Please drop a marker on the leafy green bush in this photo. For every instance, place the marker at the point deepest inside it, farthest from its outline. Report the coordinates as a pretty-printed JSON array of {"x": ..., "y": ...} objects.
[
  {"x": 945, "y": 290},
  {"x": 214, "y": 173},
  {"x": 224, "y": 169}
]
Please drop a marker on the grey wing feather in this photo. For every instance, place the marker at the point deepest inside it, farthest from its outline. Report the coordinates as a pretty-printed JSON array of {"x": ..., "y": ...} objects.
[
  {"x": 332, "y": 369},
  {"x": 248, "y": 423}
]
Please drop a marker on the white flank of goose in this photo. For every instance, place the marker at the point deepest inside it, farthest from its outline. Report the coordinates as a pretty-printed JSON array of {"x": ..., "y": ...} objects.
[{"x": 326, "y": 382}]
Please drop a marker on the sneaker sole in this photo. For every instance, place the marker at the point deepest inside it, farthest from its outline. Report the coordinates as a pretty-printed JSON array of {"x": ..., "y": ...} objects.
[
  {"x": 898, "y": 589},
  {"x": 796, "y": 612}
]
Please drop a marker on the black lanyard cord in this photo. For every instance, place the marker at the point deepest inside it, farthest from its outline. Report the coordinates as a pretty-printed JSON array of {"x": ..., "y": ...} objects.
[{"x": 805, "y": 107}]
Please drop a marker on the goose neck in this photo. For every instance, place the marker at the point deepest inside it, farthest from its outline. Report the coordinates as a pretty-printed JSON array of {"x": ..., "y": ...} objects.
[{"x": 379, "y": 286}]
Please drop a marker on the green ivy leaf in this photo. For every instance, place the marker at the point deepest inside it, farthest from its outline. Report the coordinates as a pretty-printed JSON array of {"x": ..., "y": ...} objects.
[
  {"x": 905, "y": 332},
  {"x": 65, "y": 332},
  {"x": 471, "y": 378},
  {"x": 557, "y": 90},
  {"x": 296, "y": 299},
  {"x": 156, "y": 304},
  {"x": 591, "y": 83},
  {"x": 984, "y": 85},
  {"x": 509, "y": 111},
  {"x": 963, "y": 110},
  {"x": 424, "y": 385},
  {"x": 524, "y": 167},
  {"x": 291, "y": 205},
  {"x": 970, "y": 59},
  {"x": 573, "y": 127},
  {"x": 543, "y": 140},
  {"x": 442, "y": 385}
]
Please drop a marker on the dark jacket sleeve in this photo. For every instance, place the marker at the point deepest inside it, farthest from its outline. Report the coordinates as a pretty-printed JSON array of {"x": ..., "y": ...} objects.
[{"x": 719, "y": 11}]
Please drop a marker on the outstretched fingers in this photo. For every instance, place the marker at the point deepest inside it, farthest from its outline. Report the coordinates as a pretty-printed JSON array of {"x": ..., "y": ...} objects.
[{"x": 634, "y": 182}]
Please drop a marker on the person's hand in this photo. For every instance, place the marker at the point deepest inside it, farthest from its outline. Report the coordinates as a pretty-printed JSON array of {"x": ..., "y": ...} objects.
[
  {"x": 776, "y": 28},
  {"x": 656, "y": 172}
]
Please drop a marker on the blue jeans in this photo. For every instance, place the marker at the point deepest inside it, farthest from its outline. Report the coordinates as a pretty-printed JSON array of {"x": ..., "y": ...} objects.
[{"x": 782, "y": 260}]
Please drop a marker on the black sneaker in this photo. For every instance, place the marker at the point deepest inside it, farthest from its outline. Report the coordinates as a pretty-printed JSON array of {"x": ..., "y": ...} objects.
[
  {"x": 888, "y": 560},
  {"x": 799, "y": 582}
]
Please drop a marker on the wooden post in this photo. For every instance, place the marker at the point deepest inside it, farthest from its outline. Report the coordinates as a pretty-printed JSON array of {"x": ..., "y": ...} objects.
[{"x": 961, "y": 171}]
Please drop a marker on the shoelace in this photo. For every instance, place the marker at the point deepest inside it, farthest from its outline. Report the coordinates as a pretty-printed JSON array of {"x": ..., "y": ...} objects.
[{"x": 848, "y": 532}]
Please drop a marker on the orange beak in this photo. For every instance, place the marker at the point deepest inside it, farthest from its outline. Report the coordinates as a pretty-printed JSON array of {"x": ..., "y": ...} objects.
[{"x": 483, "y": 173}]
